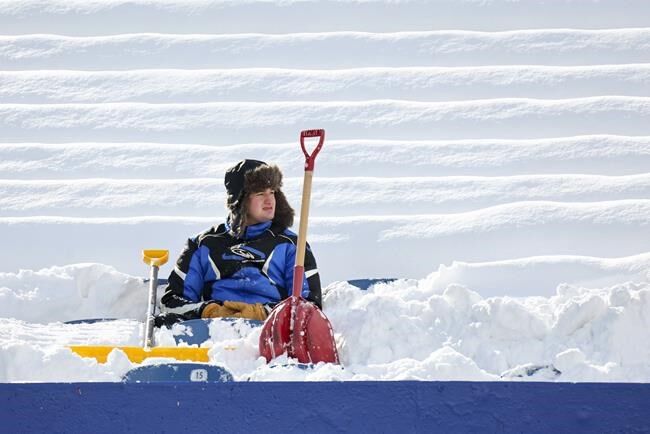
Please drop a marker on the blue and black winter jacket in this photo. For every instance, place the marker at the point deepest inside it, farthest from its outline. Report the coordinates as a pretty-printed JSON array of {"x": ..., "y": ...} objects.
[{"x": 257, "y": 268}]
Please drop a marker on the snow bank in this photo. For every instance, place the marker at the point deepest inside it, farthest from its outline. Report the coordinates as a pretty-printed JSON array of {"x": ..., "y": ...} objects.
[
  {"x": 540, "y": 275},
  {"x": 363, "y": 246},
  {"x": 381, "y": 196},
  {"x": 71, "y": 292},
  {"x": 228, "y": 123},
  {"x": 358, "y": 84},
  {"x": 590, "y": 154},
  {"x": 579, "y": 331},
  {"x": 405, "y": 330},
  {"x": 81, "y": 17},
  {"x": 551, "y": 47}
]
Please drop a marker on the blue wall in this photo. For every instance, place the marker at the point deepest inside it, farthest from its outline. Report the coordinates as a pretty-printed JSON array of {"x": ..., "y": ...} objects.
[{"x": 325, "y": 407}]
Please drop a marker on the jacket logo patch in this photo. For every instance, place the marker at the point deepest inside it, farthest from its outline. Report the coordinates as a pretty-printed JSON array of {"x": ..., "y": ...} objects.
[{"x": 242, "y": 252}]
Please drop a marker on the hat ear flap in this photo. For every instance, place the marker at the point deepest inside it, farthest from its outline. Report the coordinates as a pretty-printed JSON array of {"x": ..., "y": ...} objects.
[
  {"x": 237, "y": 217},
  {"x": 284, "y": 214}
]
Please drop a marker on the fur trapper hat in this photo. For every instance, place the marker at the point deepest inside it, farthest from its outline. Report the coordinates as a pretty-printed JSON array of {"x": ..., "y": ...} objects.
[{"x": 252, "y": 176}]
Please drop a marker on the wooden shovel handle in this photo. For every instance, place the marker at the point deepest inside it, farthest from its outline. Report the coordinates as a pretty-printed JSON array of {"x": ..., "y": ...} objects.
[
  {"x": 304, "y": 217},
  {"x": 310, "y": 159}
]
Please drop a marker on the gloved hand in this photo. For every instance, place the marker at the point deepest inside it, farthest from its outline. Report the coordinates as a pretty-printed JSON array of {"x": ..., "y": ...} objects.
[
  {"x": 245, "y": 310},
  {"x": 167, "y": 319},
  {"x": 215, "y": 310}
]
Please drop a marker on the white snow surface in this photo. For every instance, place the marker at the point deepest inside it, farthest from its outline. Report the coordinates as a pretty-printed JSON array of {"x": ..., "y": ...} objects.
[
  {"x": 492, "y": 155},
  {"x": 426, "y": 329}
]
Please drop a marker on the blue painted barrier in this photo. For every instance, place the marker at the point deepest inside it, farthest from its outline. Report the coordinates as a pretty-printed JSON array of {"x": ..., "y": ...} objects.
[{"x": 403, "y": 407}]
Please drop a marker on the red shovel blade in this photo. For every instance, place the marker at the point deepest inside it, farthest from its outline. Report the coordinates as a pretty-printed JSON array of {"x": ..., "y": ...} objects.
[
  {"x": 276, "y": 333},
  {"x": 310, "y": 340}
]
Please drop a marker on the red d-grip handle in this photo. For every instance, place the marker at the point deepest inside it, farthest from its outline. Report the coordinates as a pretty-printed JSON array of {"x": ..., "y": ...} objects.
[{"x": 310, "y": 159}]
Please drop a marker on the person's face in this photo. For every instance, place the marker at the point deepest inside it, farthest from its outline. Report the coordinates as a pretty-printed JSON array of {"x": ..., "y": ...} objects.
[{"x": 261, "y": 207}]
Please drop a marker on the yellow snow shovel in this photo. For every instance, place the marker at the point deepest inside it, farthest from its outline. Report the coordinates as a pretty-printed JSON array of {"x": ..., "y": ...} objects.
[{"x": 155, "y": 259}]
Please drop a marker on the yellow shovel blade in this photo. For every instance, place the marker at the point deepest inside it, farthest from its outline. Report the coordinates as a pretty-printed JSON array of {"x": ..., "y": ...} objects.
[
  {"x": 138, "y": 354},
  {"x": 155, "y": 257}
]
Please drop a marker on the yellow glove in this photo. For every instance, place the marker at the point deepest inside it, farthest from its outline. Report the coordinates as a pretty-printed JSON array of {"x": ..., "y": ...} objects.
[
  {"x": 245, "y": 310},
  {"x": 215, "y": 310}
]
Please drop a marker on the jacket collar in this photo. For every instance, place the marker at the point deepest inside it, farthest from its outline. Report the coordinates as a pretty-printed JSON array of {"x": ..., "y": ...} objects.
[{"x": 253, "y": 231}]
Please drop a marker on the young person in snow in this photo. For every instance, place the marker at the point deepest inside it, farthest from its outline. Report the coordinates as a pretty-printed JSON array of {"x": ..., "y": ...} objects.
[{"x": 244, "y": 267}]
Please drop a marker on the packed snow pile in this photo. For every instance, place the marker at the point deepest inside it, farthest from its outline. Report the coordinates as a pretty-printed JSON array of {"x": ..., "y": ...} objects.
[
  {"x": 494, "y": 156},
  {"x": 402, "y": 330}
]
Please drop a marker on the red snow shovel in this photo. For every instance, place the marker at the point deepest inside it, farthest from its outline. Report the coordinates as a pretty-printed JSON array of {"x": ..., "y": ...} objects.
[{"x": 296, "y": 326}]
